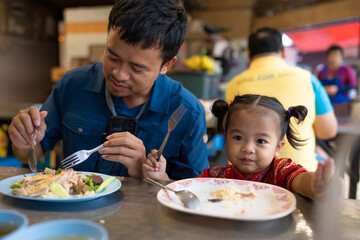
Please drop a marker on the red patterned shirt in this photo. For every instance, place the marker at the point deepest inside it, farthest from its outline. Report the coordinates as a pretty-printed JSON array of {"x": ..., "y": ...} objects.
[{"x": 280, "y": 172}]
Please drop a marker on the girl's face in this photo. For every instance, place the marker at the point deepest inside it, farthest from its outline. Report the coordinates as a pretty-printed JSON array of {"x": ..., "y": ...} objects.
[{"x": 252, "y": 139}]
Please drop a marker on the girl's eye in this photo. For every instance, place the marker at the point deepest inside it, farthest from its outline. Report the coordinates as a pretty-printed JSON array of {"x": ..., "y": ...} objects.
[
  {"x": 238, "y": 138},
  {"x": 261, "y": 141}
]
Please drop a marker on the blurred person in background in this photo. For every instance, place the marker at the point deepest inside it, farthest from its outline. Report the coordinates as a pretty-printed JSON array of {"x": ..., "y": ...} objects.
[
  {"x": 338, "y": 78},
  {"x": 269, "y": 75},
  {"x": 128, "y": 89}
]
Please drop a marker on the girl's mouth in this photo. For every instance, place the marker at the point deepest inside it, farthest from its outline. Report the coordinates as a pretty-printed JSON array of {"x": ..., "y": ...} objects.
[{"x": 246, "y": 160}]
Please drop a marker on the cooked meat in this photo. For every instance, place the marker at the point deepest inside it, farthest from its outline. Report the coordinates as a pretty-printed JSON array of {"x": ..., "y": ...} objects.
[
  {"x": 97, "y": 180},
  {"x": 80, "y": 187},
  {"x": 49, "y": 171},
  {"x": 20, "y": 192},
  {"x": 39, "y": 184},
  {"x": 37, "y": 190}
]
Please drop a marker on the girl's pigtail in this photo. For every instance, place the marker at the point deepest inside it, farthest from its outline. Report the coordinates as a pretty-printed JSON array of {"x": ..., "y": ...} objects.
[
  {"x": 298, "y": 112},
  {"x": 219, "y": 109}
]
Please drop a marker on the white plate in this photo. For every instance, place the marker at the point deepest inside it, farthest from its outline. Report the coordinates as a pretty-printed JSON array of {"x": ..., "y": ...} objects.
[
  {"x": 271, "y": 202},
  {"x": 112, "y": 187}
]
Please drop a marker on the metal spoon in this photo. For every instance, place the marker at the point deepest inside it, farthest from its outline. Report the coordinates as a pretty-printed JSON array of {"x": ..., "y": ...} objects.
[
  {"x": 32, "y": 161},
  {"x": 188, "y": 198}
]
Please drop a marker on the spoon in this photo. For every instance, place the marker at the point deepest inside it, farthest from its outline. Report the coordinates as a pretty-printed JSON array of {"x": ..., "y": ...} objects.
[
  {"x": 187, "y": 198},
  {"x": 32, "y": 161}
]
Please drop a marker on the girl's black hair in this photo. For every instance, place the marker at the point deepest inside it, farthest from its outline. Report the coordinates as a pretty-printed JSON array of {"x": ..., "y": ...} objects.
[{"x": 223, "y": 111}]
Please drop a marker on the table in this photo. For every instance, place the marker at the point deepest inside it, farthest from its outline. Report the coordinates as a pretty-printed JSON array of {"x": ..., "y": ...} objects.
[
  {"x": 347, "y": 151},
  {"x": 133, "y": 212},
  {"x": 349, "y": 134}
]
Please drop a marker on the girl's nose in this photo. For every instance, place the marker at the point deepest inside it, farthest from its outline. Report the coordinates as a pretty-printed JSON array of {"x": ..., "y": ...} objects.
[
  {"x": 248, "y": 148},
  {"x": 121, "y": 73}
]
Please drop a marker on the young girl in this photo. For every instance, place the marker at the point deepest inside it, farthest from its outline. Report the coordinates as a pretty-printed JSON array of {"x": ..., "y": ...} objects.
[{"x": 254, "y": 127}]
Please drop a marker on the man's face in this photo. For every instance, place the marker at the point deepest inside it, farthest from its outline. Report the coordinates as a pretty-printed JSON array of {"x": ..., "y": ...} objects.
[
  {"x": 131, "y": 71},
  {"x": 335, "y": 58}
]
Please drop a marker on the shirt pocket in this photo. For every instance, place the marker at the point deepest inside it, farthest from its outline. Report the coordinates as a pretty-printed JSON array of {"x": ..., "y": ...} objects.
[{"x": 82, "y": 132}]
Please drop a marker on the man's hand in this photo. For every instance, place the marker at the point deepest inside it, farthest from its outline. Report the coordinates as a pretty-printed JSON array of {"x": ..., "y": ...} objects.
[
  {"x": 331, "y": 90},
  {"x": 22, "y": 127},
  {"x": 154, "y": 168},
  {"x": 127, "y": 149}
]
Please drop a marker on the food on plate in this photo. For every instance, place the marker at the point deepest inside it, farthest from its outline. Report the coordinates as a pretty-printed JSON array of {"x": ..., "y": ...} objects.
[
  {"x": 65, "y": 183},
  {"x": 232, "y": 193},
  {"x": 103, "y": 185},
  {"x": 215, "y": 199},
  {"x": 58, "y": 190},
  {"x": 241, "y": 213}
]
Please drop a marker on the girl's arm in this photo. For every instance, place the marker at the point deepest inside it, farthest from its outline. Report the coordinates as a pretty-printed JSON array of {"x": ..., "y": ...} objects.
[{"x": 313, "y": 184}]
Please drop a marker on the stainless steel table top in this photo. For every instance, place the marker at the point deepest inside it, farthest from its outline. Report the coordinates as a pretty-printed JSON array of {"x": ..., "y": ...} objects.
[{"x": 133, "y": 212}]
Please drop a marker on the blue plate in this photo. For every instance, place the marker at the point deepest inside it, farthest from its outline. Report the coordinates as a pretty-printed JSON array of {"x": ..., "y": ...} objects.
[
  {"x": 112, "y": 187},
  {"x": 63, "y": 228},
  {"x": 13, "y": 218}
]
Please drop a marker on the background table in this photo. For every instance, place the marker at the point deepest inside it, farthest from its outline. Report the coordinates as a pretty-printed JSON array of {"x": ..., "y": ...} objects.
[{"x": 133, "y": 212}]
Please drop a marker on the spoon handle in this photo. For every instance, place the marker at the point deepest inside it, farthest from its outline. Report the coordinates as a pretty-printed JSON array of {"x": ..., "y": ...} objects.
[{"x": 153, "y": 182}]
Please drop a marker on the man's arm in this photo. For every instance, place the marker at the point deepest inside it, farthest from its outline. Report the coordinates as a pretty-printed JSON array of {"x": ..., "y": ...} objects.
[{"x": 325, "y": 125}]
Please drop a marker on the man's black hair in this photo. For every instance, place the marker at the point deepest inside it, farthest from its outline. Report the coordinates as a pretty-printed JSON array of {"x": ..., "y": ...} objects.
[
  {"x": 265, "y": 40},
  {"x": 335, "y": 48},
  {"x": 150, "y": 23}
]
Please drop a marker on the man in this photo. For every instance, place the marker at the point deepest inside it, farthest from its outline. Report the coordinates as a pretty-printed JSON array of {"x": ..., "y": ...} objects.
[
  {"x": 338, "y": 79},
  {"x": 269, "y": 75},
  {"x": 144, "y": 37}
]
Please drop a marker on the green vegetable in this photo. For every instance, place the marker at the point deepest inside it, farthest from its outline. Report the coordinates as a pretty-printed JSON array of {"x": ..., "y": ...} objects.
[
  {"x": 105, "y": 184},
  {"x": 59, "y": 190},
  {"x": 89, "y": 182},
  {"x": 16, "y": 185},
  {"x": 58, "y": 170}
]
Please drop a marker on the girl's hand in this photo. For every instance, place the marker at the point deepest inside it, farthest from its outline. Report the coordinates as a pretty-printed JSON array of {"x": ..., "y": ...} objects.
[
  {"x": 322, "y": 176},
  {"x": 154, "y": 168}
]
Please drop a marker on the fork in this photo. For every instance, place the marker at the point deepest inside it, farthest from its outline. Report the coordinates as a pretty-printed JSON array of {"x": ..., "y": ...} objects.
[
  {"x": 78, "y": 157},
  {"x": 173, "y": 121}
]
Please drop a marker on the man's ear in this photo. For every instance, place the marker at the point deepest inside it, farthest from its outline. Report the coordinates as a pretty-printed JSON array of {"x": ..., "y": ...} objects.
[
  {"x": 168, "y": 65},
  {"x": 279, "y": 147},
  {"x": 283, "y": 55},
  {"x": 248, "y": 55}
]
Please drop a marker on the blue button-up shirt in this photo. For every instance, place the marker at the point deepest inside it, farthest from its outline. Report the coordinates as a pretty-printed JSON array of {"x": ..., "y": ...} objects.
[{"x": 78, "y": 114}]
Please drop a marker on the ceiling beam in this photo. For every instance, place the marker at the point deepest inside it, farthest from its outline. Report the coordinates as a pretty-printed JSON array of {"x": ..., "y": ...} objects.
[{"x": 310, "y": 15}]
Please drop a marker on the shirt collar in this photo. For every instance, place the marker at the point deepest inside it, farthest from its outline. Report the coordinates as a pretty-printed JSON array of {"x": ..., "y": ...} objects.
[
  {"x": 266, "y": 61},
  {"x": 159, "y": 100},
  {"x": 97, "y": 83},
  {"x": 160, "y": 97}
]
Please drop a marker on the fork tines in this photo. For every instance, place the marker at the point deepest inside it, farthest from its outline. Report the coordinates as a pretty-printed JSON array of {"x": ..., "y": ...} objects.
[
  {"x": 69, "y": 161},
  {"x": 179, "y": 113}
]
